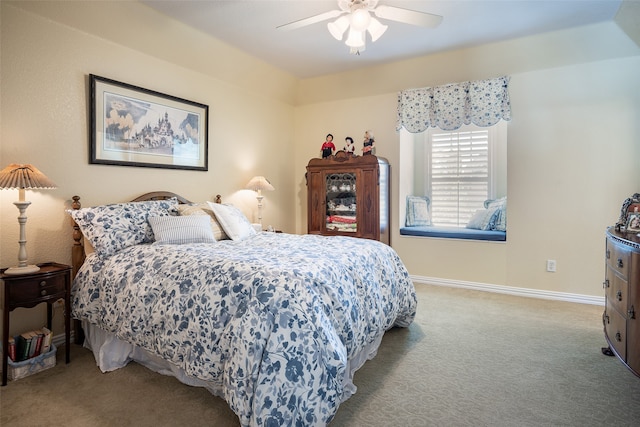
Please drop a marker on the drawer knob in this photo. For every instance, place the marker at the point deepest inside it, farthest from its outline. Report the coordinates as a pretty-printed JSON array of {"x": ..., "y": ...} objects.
[
  {"x": 43, "y": 283},
  {"x": 619, "y": 295},
  {"x": 43, "y": 292},
  {"x": 618, "y": 337},
  {"x": 631, "y": 313},
  {"x": 620, "y": 263}
]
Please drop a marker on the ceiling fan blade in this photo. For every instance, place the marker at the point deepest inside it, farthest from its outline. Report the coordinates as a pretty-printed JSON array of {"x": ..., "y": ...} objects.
[
  {"x": 311, "y": 20},
  {"x": 407, "y": 16}
]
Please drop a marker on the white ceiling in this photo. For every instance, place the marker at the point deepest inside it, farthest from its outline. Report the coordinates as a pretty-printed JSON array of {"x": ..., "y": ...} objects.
[{"x": 250, "y": 25}]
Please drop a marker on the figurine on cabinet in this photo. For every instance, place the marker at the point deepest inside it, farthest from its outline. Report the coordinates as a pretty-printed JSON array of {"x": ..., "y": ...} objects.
[
  {"x": 368, "y": 145},
  {"x": 349, "y": 147},
  {"x": 328, "y": 148}
]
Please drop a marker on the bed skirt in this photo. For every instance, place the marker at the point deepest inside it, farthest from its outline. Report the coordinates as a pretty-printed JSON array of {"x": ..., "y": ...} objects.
[{"x": 112, "y": 353}]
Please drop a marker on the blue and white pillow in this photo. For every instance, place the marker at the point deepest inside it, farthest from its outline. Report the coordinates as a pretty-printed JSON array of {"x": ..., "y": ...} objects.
[
  {"x": 180, "y": 230},
  {"x": 233, "y": 221},
  {"x": 418, "y": 212},
  {"x": 483, "y": 219},
  {"x": 501, "y": 218},
  {"x": 112, "y": 228}
]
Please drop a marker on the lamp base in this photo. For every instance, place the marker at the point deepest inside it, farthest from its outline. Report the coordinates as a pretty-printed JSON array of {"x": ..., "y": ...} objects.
[{"x": 27, "y": 269}]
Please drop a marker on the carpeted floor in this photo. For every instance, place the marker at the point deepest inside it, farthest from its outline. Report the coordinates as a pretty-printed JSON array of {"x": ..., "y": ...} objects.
[{"x": 470, "y": 359}]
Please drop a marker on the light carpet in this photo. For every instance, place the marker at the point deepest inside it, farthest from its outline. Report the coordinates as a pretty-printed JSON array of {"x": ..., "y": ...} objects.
[{"x": 470, "y": 358}]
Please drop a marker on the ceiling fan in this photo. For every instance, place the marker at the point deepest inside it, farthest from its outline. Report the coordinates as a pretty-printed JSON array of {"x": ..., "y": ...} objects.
[{"x": 355, "y": 15}]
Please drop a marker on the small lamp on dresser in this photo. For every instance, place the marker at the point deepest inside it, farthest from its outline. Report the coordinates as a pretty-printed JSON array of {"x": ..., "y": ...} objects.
[
  {"x": 23, "y": 177},
  {"x": 257, "y": 184}
]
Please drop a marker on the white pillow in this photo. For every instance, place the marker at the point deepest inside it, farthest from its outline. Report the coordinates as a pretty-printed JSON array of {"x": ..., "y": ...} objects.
[
  {"x": 179, "y": 230},
  {"x": 233, "y": 221},
  {"x": 204, "y": 209}
]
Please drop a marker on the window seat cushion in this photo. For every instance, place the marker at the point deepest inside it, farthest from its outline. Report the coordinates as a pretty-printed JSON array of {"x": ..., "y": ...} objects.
[{"x": 455, "y": 233}]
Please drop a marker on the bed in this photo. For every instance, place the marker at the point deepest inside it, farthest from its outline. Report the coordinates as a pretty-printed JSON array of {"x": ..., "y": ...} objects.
[{"x": 274, "y": 323}]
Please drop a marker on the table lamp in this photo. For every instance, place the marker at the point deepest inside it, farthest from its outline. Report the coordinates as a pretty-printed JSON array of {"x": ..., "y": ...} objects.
[
  {"x": 259, "y": 183},
  {"x": 23, "y": 177}
]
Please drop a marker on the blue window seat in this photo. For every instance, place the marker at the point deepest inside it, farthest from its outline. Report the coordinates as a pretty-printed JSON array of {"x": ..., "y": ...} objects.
[{"x": 455, "y": 233}]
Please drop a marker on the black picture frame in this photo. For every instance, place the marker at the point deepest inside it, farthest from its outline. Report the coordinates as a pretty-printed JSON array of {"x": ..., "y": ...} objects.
[{"x": 133, "y": 126}]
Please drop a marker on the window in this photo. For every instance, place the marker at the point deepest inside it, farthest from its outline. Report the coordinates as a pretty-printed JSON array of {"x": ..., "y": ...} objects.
[{"x": 458, "y": 170}]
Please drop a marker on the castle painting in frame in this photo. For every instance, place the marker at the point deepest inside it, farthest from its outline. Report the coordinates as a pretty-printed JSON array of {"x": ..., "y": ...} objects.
[{"x": 132, "y": 126}]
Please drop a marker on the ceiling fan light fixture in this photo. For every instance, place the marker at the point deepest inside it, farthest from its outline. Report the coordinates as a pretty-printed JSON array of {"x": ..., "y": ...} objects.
[
  {"x": 338, "y": 27},
  {"x": 355, "y": 38},
  {"x": 360, "y": 19},
  {"x": 376, "y": 29}
]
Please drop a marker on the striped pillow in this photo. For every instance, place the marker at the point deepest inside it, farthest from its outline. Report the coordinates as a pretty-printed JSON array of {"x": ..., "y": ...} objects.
[{"x": 179, "y": 230}]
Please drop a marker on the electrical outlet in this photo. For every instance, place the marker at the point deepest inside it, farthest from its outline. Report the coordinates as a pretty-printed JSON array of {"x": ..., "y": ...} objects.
[{"x": 551, "y": 265}]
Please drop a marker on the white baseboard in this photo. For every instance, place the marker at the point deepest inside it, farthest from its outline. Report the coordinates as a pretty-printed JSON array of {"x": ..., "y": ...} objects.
[
  {"x": 59, "y": 340},
  {"x": 509, "y": 290}
]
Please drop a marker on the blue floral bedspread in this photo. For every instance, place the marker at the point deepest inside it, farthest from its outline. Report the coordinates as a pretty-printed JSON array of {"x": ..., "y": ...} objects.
[{"x": 271, "y": 321}]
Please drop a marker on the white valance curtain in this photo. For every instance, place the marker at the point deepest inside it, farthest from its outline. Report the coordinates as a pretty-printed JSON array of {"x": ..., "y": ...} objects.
[{"x": 481, "y": 102}]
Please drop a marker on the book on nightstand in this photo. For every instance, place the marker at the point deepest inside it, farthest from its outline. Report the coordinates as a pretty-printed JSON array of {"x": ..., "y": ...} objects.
[
  {"x": 12, "y": 348},
  {"x": 23, "y": 342},
  {"x": 46, "y": 340}
]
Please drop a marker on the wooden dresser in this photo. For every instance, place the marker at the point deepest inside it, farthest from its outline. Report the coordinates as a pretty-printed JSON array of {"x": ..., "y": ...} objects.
[
  {"x": 622, "y": 293},
  {"x": 349, "y": 196}
]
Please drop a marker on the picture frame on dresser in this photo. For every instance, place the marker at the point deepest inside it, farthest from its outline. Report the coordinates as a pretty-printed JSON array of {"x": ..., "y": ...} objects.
[
  {"x": 633, "y": 222},
  {"x": 133, "y": 126},
  {"x": 629, "y": 210}
]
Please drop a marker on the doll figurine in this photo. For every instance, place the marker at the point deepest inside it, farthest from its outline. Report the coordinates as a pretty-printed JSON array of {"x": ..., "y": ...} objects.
[
  {"x": 328, "y": 148},
  {"x": 368, "y": 145},
  {"x": 349, "y": 147}
]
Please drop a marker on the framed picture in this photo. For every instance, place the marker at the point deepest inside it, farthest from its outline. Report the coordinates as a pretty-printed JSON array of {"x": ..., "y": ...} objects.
[
  {"x": 132, "y": 126},
  {"x": 630, "y": 215},
  {"x": 633, "y": 222}
]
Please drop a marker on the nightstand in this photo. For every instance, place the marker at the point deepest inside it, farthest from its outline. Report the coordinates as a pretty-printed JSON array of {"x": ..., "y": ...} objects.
[{"x": 51, "y": 283}]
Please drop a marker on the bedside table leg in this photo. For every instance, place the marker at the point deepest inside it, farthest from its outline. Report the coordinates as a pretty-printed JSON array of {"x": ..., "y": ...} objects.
[{"x": 5, "y": 341}]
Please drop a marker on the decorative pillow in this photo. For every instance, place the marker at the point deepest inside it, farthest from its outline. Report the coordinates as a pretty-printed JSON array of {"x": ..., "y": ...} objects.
[
  {"x": 112, "y": 228},
  {"x": 418, "y": 212},
  {"x": 483, "y": 219},
  {"x": 204, "y": 209},
  {"x": 501, "y": 205},
  {"x": 179, "y": 230},
  {"x": 233, "y": 221}
]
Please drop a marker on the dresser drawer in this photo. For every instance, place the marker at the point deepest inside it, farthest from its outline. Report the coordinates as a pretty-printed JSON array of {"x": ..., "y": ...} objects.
[
  {"x": 616, "y": 290},
  {"x": 618, "y": 258},
  {"x": 615, "y": 326},
  {"x": 31, "y": 290}
]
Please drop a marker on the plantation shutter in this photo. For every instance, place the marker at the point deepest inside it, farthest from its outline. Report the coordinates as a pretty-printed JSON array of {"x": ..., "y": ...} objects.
[{"x": 460, "y": 178}]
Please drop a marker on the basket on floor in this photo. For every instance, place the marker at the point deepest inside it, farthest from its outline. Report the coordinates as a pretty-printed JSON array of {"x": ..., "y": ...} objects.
[{"x": 17, "y": 370}]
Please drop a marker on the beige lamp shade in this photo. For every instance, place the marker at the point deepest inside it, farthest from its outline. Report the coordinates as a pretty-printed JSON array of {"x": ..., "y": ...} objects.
[
  {"x": 259, "y": 183},
  {"x": 23, "y": 177}
]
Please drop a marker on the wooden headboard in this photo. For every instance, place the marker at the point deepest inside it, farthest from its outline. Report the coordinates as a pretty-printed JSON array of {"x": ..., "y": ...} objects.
[{"x": 77, "y": 250}]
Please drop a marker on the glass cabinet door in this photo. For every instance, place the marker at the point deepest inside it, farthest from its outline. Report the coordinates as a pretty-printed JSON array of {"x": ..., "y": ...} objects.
[{"x": 341, "y": 202}]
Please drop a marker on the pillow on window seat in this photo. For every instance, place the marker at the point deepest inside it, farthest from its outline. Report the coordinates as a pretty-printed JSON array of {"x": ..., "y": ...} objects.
[
  {"x": 484, "y": 219},
  {"x": 418, "y": 212},
  {"x": 501, "y": 218}
]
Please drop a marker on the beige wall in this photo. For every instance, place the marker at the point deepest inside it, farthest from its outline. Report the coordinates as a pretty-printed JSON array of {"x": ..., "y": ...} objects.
[
  {"x": 45, "y": 118},
  {"x": 572, "y": 154}
]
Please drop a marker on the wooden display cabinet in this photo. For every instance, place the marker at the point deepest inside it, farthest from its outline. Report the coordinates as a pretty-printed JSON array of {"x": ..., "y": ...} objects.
[{"x": 349, "y": 196}]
